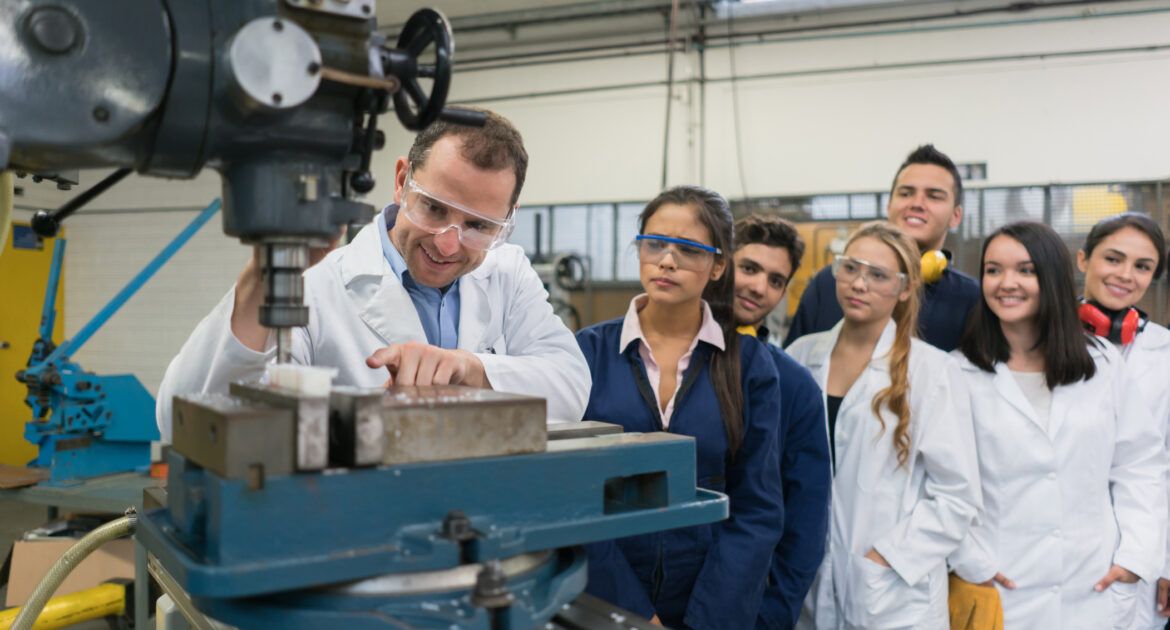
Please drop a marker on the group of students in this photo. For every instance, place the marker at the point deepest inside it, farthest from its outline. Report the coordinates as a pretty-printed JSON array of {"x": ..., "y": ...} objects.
[
  {"x": 869, "y": 472},
  {"x": 1008, "y": 432}
]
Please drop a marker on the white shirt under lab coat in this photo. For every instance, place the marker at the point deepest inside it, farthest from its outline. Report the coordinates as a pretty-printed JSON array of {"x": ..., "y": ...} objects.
[
  {"x": 1148, "y": 358},
  {"x": 915, "y": 515},
  {"x": 1064, "y": 503},
  {"x": 357, "y": 305}
]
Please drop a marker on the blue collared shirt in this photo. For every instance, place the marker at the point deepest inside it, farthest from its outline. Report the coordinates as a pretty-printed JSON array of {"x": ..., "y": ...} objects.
[{"x": 438, "y": 309}]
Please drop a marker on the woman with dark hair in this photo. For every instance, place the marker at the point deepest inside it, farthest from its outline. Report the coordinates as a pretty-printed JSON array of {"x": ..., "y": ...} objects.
[
  {"x": 905, "y": 482},
  {"x": 1121, "y": 257},
  {"x": 1070, "y": 458},
  {"x": 675, "y": 363}
]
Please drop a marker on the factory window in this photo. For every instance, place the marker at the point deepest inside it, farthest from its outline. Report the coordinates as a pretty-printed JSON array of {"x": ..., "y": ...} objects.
[
  {"x": 828, "y": 207},
  {"x": 588, "y": 231},
  {"x": 627, "y": 229},
  {"x": 532, "y": 229}
]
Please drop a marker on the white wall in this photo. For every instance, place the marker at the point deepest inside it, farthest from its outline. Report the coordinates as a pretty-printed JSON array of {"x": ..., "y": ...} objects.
[
  {"x": 815, "y": 129},
  {"x": 1033, "y": 119}
]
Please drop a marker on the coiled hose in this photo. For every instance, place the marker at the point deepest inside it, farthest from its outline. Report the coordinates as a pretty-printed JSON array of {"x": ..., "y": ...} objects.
[{"x": 64, "y": 566}]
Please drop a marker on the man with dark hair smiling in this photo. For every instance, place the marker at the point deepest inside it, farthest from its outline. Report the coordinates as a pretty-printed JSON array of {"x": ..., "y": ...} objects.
[
  {"x": 427, "y": 293},
  {"x": 768, "y": 251},
  {"x": 925, "y": 202}
]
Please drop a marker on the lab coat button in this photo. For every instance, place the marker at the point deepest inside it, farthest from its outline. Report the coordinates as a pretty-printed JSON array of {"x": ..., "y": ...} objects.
[
  {"x": 1055, "y": 589},
  {"x": 1056, "y": 532},
  {"x": 1052, "y": 475}
]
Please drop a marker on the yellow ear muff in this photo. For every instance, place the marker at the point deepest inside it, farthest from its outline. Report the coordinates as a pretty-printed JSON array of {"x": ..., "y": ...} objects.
[{"x": 934, "y": 263}]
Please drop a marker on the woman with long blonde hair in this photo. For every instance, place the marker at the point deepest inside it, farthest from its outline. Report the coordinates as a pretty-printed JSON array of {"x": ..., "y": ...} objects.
[{"x": 905, "y": 482}]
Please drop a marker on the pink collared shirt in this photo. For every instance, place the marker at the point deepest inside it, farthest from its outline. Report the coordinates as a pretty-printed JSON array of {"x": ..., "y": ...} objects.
[{"x": 709, "y": 331}]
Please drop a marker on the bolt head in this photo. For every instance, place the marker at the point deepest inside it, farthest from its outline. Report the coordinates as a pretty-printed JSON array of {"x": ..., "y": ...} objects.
[{"x": 54, "y": 30}]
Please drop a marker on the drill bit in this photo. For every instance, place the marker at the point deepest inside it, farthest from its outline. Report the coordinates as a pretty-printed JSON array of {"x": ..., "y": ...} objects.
[{"x": 284, "y": 345}]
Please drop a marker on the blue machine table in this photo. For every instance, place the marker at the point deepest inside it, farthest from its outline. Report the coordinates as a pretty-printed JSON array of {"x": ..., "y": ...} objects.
[
  {"x": 111, "y": 494},
  {"x": 431, "y": 508}
]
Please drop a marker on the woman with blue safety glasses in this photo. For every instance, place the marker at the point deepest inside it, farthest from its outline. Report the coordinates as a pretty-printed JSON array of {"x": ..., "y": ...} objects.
[{"x": 675, "y": 363}]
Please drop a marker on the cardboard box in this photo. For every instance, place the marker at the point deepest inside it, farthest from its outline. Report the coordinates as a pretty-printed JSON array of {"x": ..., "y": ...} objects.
[{"x": 31, "y": 560}]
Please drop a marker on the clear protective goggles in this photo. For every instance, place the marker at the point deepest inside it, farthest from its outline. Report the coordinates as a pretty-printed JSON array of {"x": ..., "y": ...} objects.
[
  {"x": 876, "y": 278},
  {"x": 687, "y": 254},
  {"x": 436, "y": 215}
]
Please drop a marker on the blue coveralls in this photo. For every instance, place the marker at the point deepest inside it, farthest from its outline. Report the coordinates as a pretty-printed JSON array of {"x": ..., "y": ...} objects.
[
  {"x": 807, "y": 476},
  {"x": 708, "y": 577}
]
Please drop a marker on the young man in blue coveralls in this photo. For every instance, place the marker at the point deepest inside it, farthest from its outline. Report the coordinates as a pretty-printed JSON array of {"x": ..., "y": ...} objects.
[
  {"x": 768, "y": 251},
  {"x": 925, "y": 202}
]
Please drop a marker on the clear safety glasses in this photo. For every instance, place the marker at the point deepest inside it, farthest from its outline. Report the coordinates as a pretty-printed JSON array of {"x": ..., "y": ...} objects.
[
  {"x": 436, "y": 215},
  {"x": 876, "y": 278},
  {"x": 687, "y": 255}
]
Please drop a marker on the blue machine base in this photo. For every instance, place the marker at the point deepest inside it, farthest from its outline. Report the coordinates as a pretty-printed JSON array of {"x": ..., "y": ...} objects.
[
  {"x": 95, "y": 458},
  {"x": 252, "y": 557},
  {"x": 539, "y": 595}
]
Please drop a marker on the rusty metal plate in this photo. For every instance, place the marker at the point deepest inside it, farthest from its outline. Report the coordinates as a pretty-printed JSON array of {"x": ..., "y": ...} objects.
[
  {"x": 233, "y": 437},
  {"x": 311, "y": 414},
  {"x": 425, "y": 424},
  {"x": 585, "y": 428}
]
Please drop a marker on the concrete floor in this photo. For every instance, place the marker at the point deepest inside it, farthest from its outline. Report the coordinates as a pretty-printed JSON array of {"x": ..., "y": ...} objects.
[{"x": 17, "y": 518}]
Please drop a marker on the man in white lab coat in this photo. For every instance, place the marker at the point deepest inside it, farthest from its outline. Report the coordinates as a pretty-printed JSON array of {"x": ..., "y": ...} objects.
[{"x": 427, "y": 293}]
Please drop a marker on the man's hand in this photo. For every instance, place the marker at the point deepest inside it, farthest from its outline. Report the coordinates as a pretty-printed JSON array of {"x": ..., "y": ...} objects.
[
  {"x": 415, "y": 363},
  {"x": 1002, "y": 580},
  {"x": 656, "y": 621},
  {"x": 1117, "y": 573},
  {"x": 250, "y": 294}
]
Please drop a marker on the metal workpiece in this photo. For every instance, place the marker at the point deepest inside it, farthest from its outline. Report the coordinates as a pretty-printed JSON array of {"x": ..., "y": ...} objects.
[
  {"x": 356, "y": 431},
  {"x": 310, "y": 415},
  {"x": 275, "y": 64},
  {"x": 429, "y": 424},
  {"x": 233, "y": 437},
  {"x": 585, "y": 428}
]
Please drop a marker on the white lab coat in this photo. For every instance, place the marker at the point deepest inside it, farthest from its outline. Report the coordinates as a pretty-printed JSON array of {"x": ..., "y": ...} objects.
[
  {"x": 1063, "y": 504},
  {"x": 1148, "y": 359},
  {"x": 357, "y": 305},
  {"x": 914, "y": 515}
]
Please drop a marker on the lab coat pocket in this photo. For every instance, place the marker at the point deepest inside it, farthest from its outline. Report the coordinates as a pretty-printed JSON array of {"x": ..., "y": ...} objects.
[
  {"x": 1123, "y": 602},
  {"x": 882, "y": 600},
  {"x": 492, "y": 344}
]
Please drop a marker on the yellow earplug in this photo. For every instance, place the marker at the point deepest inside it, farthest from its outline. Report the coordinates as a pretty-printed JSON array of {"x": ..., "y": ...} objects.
[{"x": 934, "y": 262}]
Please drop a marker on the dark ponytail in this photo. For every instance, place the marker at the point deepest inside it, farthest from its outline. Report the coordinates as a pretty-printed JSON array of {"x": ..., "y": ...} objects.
[{"x": 715, "y": 214}]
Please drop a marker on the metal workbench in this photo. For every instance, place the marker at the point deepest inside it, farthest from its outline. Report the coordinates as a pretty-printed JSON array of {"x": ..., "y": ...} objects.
[{"x": 112, "y": 494}]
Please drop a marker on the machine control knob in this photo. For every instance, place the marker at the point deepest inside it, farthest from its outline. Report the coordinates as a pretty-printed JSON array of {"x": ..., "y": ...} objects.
[{"x": 53, "y": 29}]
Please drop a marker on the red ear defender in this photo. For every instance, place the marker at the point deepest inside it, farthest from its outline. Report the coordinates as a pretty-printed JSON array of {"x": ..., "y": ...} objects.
[
  {"x": 1131, "y": 323},
  {"x": 1122, "y": 328},
  {"x": 1095, "y": 321}
]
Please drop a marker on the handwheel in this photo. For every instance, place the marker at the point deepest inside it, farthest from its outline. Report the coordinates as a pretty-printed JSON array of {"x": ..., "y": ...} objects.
[{"x": 414, "y": 108}]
